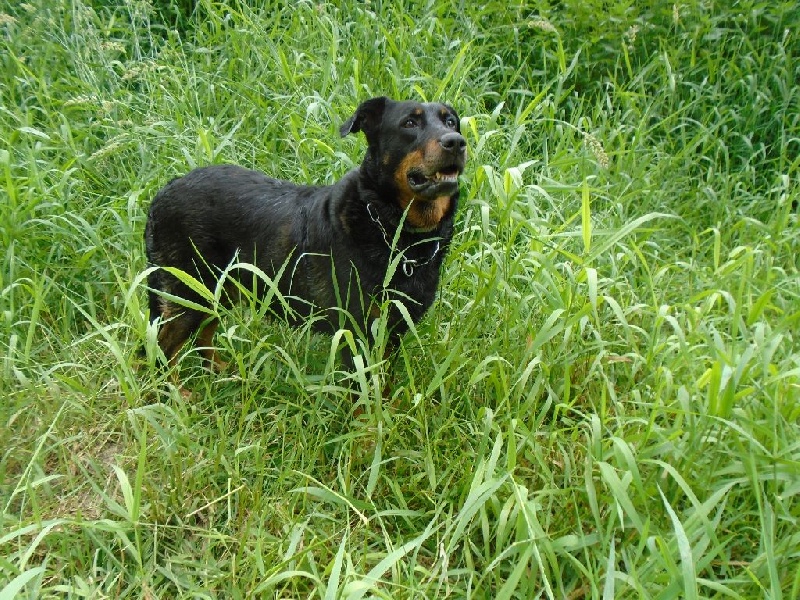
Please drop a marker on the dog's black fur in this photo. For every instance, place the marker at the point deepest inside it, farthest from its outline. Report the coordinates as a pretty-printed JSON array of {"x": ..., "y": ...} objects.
[{"x": 334, "y": 242}]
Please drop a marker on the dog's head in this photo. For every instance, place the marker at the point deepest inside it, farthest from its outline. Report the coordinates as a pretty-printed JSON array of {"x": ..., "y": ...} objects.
[{"x": 417, "y": 148}]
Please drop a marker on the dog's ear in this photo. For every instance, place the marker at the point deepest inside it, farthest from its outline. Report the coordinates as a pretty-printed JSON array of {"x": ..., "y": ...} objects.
[{"x": 367, "y": 117}]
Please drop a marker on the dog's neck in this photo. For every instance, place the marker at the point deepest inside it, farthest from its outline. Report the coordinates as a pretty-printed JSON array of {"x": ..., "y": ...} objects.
[
  {"x": 407, "y": 264},
  {"x": 388, "y": 226},
  {"x": 408, "y": 228}
]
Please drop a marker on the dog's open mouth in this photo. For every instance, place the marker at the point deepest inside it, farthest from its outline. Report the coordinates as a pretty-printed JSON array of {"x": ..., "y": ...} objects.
[{"x": 437, "y": 182}]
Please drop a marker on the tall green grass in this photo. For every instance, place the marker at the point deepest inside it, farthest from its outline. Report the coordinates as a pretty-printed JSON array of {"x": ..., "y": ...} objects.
[{"x": 601, "y": 404}]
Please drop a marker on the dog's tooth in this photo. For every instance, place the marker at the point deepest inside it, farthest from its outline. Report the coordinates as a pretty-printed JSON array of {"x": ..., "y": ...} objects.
[{"x": 440, "y": 177}]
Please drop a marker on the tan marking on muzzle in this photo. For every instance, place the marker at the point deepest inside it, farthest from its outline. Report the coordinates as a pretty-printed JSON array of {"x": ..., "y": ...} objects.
[
  {"x": 423, "y": 214},
  {"x": 410, "y": 161}
]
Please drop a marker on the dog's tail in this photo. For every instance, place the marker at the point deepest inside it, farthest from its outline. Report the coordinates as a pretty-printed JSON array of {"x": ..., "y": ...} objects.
[
  {"x": 155, "y": 308},
  {"x": 153, "y": 278},
  {"x": 153, "y": 301},
  {"x": 153, "y": 283}
]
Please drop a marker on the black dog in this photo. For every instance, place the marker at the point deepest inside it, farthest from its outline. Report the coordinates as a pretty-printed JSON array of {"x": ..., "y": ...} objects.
[{"x": 326, "y": 247}]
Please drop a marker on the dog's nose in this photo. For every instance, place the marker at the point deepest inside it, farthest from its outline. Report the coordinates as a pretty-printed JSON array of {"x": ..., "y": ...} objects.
[{"x": 454, "y": 142}]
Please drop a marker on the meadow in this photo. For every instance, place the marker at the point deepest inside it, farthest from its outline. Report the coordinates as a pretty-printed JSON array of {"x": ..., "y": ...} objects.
[{"x": 602, "y": 402}]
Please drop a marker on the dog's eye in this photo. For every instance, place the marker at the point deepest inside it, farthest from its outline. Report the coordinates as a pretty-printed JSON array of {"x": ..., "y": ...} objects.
[
  {"x": 409, "y": 123},
  {"x": 450, "y": 122}
]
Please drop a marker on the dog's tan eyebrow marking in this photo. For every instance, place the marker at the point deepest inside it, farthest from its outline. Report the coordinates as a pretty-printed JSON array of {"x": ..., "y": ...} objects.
[{"x": 418, "y": 112}]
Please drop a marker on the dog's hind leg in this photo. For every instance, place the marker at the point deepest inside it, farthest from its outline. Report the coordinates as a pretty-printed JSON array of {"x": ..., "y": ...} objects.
[
  {"x": 172, "y": 336},
  {"x": 207, "y": 350},
  {"x": 175, "y": 330}
]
